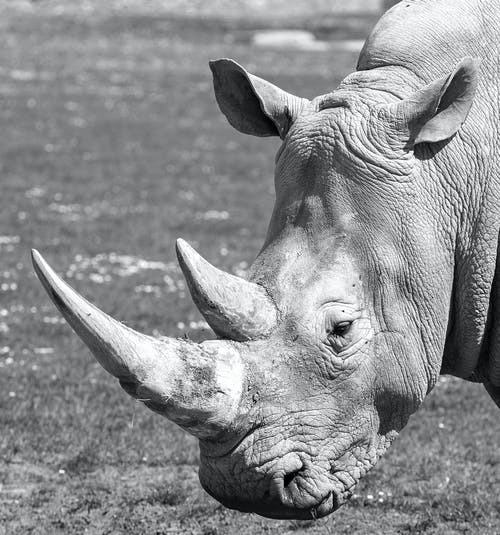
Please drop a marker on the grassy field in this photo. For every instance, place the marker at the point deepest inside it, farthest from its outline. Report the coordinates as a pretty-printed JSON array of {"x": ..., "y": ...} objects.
[{"x": 112, "y": 146}]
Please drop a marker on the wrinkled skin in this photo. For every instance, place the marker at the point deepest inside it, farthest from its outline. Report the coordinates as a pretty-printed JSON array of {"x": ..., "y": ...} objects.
[
  {"x": 379, "y": 262},
  {"x": 330, "y": 257},
  {"x": 364, "y": 230}
]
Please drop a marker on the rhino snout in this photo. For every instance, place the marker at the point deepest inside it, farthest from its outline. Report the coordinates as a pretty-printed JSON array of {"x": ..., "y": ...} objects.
[{"x": 293, "y": 489}]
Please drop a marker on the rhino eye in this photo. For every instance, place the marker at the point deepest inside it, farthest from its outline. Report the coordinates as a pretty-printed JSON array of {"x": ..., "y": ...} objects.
[
  {"x": 337, "y": 335},
  {"x": 341, "y": 329}
]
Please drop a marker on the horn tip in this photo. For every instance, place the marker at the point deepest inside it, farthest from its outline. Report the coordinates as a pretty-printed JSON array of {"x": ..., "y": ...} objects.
[
  {"x": 46, "y": 275},
  {"x": 35, "y": 256},
  {"x": 180, "y": 244},
  {"x": 39, "y": 264},
  {"x": 184, "y": 251}
]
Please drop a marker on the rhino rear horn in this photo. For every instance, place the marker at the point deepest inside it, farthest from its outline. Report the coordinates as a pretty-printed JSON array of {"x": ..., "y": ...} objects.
[
  {"x": 233, "y": 307},
  {"x": 198, "y": 386}
]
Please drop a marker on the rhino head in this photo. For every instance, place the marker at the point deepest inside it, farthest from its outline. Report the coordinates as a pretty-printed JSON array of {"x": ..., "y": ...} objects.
[{"x": 338, "y": 333}]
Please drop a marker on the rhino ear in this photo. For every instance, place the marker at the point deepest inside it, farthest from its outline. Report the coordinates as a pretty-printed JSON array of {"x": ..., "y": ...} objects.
[
  {"x": 253, "y": 105},
  {"x": 436, "y": 112}
]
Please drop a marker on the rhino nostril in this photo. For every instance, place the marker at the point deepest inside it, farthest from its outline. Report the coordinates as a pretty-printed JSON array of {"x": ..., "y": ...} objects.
[
  {"x": 289, "y": 478},
  {"x": 285, "y": 483}
]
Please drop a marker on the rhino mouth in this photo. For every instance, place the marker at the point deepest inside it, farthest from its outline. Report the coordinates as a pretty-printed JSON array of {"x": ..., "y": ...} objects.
[
  {"x": 278, "y": 511},
  {"x": 330, "y": 503},
  {"x": 296, "y": 486},
  {"x": 304, "y": 501},
  {"x": 305, "y": 498},
  {"x": 319, "y": 495},
  {"x": 292, "y": 503}
]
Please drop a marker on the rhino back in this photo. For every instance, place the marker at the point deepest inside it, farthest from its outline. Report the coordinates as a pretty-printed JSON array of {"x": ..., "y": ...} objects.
[{"x": 429, "y": 36}]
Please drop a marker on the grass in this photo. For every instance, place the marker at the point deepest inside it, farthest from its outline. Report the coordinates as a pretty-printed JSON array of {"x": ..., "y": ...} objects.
[{"x": 112, "y": 147}]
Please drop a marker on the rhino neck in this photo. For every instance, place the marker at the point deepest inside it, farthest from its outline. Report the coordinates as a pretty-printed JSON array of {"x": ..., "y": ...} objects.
[
  {"x": 464, "y": 179},
  {"x": 471, "y": 350},
  {"x": 468, "y": 219}
]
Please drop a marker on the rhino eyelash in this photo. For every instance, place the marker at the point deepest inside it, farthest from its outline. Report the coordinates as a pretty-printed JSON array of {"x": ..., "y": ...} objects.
[
  {"x": 340, "y": 329},
  {"x": 337, "y": 336}
]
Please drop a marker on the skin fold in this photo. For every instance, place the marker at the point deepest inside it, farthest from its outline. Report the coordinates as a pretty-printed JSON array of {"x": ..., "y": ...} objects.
[{"x": 378, "y": 271}]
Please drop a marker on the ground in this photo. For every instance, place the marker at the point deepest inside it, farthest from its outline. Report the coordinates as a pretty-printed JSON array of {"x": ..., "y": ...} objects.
[{"x": 112, "y": 147}]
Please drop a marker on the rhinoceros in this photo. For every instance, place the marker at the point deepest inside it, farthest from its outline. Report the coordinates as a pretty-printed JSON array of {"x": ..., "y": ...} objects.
[{"x": 378, "y": 272}]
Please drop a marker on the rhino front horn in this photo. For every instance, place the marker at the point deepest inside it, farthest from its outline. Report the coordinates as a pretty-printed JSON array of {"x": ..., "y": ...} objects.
[
  {"x": 233, "y": 307},
  {"x": 198, "y": 386}
]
